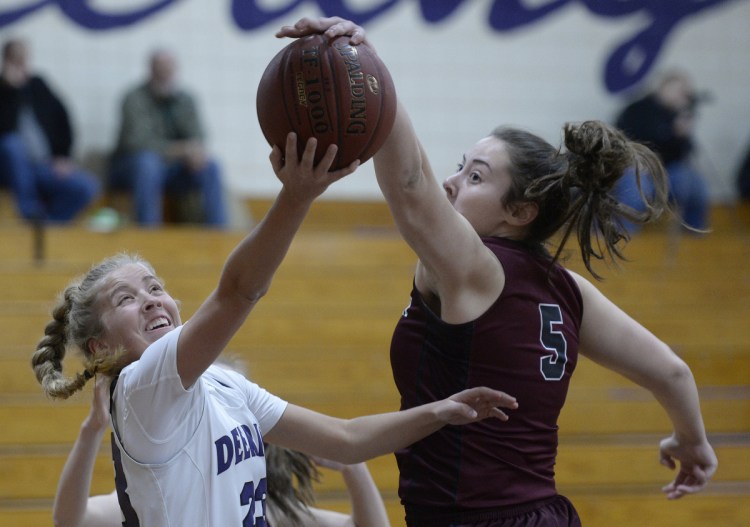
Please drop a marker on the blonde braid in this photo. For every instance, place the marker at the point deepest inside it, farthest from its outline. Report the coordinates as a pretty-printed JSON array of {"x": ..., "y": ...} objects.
[{"x": 50, "y": 352}]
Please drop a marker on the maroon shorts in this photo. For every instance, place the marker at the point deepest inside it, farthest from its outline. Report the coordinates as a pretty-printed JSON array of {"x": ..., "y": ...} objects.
[{"x": 557, "y": 511}]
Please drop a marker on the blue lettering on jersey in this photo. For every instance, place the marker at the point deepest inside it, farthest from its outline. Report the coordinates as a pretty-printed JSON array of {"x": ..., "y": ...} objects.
[{"x": 239, "y": 444}]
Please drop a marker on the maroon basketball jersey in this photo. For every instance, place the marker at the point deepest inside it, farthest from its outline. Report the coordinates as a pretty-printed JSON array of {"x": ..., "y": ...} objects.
[{"x": 526, "y": 345}]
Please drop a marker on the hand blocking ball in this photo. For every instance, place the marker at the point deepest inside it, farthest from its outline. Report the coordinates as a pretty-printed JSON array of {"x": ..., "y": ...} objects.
[{"x": 333, "y": 91}]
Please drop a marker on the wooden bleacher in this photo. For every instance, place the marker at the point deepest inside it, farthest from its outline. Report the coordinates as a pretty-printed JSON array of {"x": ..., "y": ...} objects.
[{"x": 320, "y": 338}]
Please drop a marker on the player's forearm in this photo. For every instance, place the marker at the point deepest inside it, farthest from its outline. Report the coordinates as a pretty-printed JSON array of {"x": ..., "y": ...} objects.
[
  {"x": 368, "y": 509},
  {"x": 251, "y": 266},
  {"x": 356, "y": 440},
  {"x": 408, "y": 185},
  {"x": 399, "y": 162},
  {"x": 375, "y": 435},
  {"x": 678, "y": 394},
  {"x": 75, "y": 481}
]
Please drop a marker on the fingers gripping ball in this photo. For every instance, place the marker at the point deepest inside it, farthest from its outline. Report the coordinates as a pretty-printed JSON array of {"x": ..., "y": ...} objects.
[{"x": 333, "y": 91}]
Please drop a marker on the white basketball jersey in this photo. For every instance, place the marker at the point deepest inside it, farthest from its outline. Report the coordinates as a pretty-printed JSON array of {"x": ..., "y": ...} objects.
[{"x": 189, "y": 457}]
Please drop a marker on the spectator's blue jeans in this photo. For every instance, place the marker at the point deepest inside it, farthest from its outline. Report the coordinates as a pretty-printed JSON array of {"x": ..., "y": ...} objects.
[
  {"x": 148, "y": 175},
  {"x": 687, "y": 190},
  {"x": 41, "y": 193}
]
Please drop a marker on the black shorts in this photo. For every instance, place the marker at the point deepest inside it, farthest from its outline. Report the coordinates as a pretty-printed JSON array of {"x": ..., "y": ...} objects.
[{"x": 557, "y": 511}]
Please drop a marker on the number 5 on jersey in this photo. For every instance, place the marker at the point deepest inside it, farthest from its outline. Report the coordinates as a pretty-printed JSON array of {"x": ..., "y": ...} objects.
[{"x": 552, "y": 366}]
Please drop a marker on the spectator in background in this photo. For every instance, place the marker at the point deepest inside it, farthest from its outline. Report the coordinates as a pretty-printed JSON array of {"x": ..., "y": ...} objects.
[
  {"x": 743, "y": 176},
  {"x": 161, "y": 149},
  {"x": 36, "y": 140},
  {"x": 664, "y": 121}
]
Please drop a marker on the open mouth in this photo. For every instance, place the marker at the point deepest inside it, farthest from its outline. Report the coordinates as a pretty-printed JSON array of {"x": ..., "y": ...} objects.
[{"x": 158, "y": 323}]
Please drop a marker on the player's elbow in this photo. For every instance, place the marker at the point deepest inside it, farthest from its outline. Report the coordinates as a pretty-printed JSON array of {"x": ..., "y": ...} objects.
[
  {"x": 673, "y": 375},
  {"x": 352, "y": 444},
  {"x": 678, "y": 371},
  {"x": 58, "y": 520},
  {"x": 253, "y": 296},
  {"x": 247, "y": 294}
]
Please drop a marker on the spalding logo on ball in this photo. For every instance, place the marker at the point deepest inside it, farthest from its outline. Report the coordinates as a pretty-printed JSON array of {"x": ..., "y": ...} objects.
[{"x": 333, "y": 91}]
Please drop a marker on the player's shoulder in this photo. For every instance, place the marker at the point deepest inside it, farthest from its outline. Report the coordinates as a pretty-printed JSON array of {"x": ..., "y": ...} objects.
[{"x": 586, "y": 287}]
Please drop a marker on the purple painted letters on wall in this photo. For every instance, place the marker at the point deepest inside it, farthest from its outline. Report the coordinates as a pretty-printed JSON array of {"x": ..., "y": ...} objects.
[{"x": 626, "y": 66}]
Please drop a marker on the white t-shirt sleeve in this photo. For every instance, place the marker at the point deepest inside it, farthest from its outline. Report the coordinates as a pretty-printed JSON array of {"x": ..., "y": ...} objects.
[{"x": 266, "y": 407}]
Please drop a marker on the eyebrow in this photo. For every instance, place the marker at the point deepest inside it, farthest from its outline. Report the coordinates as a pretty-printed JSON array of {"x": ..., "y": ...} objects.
[
  {"x": 482, "y": 162},
  {"x": 116, "y": 290},
  {"x": 477, "y": 161},
  {"x": 146, "y": 279}
]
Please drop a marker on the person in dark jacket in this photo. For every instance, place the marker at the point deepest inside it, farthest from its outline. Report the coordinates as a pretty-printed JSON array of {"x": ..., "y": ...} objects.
[
  {"x": 743, "y": 177},
  {"x": 36, "y": 140},
  {"x": 664, "y": 121}
]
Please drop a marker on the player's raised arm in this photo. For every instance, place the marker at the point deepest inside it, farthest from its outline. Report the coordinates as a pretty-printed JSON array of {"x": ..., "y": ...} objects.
[{"x": 250, "y": 267}]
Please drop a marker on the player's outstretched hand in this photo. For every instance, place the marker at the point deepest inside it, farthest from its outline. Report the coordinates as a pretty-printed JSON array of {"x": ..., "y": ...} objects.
[
  {"x": 697, "y": 465},
  {"x": 300, "y": 177},
  {"x": 331, "y": 27},
  {"x": 475, "y": 404}
]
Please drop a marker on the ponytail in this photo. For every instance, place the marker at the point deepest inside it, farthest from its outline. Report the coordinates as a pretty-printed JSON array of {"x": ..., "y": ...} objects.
[
  {"x": 572, "y": 187},
  {"x": 598, "y": 156},
  {"x": 290, "y": 482}
]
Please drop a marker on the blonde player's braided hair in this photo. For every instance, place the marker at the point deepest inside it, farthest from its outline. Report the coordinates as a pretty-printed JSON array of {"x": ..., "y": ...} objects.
[{"x": 76, "y": 321}]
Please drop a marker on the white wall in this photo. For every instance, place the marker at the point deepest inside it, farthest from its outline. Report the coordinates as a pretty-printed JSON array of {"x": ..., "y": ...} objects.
[{"x": 459, "y": 78}]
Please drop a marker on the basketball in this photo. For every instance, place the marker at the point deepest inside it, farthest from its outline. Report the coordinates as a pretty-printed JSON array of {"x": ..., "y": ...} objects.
[{"x": 333, "y": 91}]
